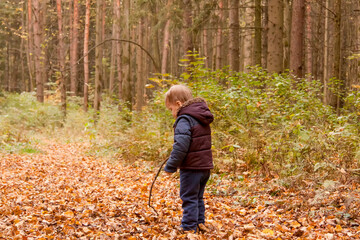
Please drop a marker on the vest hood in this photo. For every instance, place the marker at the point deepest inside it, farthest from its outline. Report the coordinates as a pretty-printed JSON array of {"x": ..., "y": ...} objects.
[{"x": 198, "y": 109}]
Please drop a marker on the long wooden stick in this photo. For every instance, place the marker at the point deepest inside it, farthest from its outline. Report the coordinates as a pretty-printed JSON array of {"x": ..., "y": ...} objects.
[{"x": 152, "y": 185}]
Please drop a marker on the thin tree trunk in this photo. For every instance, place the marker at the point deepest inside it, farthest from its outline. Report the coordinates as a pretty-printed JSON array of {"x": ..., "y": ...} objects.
[
  {"x": 7, "y": 67},
  {"x": 218, "y": 42},
  {"x": 286, "y": 33},
  {"x": 248, "y": 38},
  {"x": 188, "y": 44},
  {"x": 275, "y": 54},
  {"x": 326, "y": 53},
  {"x": 23, "y": 85},
  {"x": 126, "y": 88},
  {"x": 258, "y": 46},
  {"x": 39, "y": 58},
  {"x": 234, "y": 35},
  {"x": 113, "y": 50},
  {"x": 206, "y": 48},
  {"x": 74, "y": 49},
  {"x": 165, "y": 47},
  {"x": 265, "y": 35},
  {"x": 86, "y": 58},
  {"x": 118, "y": 50},
  {"x": 98, "y": 57},
  {"x": 61, "y": 51},
  {"x": 104, "y": 82},
  {"x": 155, "y": 33},
  {"x": 140, "y": 83},
  {"x": 308, "y": 40},
  {"x": 297, "y": 37},
  {"x": 30, "y": 51},
  {"x": 337, "y": 55}
]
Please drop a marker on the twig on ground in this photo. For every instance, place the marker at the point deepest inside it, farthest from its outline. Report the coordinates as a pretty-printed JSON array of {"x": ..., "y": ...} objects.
[{"x": 152, "y": 185}]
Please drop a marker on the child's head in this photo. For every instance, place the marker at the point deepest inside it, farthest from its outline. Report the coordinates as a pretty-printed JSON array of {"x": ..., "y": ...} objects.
[{"x": 176, "y": 96}]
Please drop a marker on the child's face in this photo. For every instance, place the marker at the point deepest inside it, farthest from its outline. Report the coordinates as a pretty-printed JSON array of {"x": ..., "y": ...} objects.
[{"x": 174, "y": 107}]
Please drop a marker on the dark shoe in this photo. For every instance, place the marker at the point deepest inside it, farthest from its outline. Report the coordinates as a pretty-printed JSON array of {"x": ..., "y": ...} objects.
[{"x": 182, "y": 231}]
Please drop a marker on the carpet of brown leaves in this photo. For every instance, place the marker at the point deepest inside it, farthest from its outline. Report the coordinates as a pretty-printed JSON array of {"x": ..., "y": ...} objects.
[{"x": 65, "y": 194}]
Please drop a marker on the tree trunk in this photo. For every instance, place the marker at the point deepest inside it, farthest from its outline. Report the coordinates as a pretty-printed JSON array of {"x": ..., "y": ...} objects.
[
  {"x": 39, "y": 56},
  {"x": 234, "y": 35},
  {"x": 337, "y": 55},
  {"x": 140, "y": 83},
  {"x": 104, "y": 82},
  {"x": 187, "y": 23},
  {"x": 297, "y": 37},
  {"x": 218, "y": 42},
  {"x": 326, "y": 53},
  {"x": 155, "y": 33},
  {"x": 265, "y": 35},
  {"x": 308, "y": 40},
  {"x": 118, "y": 49},
  {"x": 23, "y": 85},
  {"x": 275, "y": 53},
  {"x": 61, "y": 51},
  {"x": 30, "y": 44},
  {"x": 286, "y": 34},
  {"x": 126, "y": 88},
  {"x": 98, "y": 56},
  {"x": 258, "y": 46},
  {"x": 165, "y": 47},
  {"x": 248, "y": 38},
  {"x": 74, "y": 49},
  {"x": 86, "y": 58},
  {"x": 113, "y": 50}
]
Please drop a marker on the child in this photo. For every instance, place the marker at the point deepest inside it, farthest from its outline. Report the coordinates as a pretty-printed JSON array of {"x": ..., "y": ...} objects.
[{"x": 191, "y": 153}]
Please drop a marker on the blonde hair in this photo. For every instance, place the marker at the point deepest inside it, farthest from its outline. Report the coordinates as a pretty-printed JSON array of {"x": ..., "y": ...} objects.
[{"x": 178, "y": 93}]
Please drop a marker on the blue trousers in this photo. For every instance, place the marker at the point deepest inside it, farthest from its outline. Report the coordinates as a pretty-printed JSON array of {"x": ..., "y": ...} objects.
[{"x": 192, "y": 187}]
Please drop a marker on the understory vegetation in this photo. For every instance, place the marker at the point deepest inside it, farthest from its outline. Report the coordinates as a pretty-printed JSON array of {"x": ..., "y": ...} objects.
[{"x": 270, "y": 124}]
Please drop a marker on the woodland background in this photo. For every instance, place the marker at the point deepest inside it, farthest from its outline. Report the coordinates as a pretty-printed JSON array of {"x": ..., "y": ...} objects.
[
  {"x": 282, "y": 78},
  {"x": 83, "y": 125}
]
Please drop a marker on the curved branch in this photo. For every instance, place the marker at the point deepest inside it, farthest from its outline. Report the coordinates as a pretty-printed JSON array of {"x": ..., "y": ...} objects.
[
  {"x": 152, "y": 185},
  {"x": 120, "y": 40}
]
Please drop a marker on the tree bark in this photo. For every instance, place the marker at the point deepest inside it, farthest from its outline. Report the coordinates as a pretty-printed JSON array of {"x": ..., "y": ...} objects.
[
  {"x": 74, "y": 49},
  {"x": 140, "y": 83},
  {"x": 218, "y": 42},
  {"x": 248, "y": 38},
  {"x": 165, "y": 47},
  {"x": 39, "y": 56},
  {"x": 98, "y": 56},
  {"x": 118, "y": 49},
  {"x": 61, "y": 51},
  {"x": 113, "y": 50},
  {"x": 337, "y": 55},
  {"x": 297, "y": 38},
  {"x": 286, "y": 34},
  {"x": 275, "y": 53},
  {"x": 308, "y": 40},
  {"x": 30, "y": 44},
  {"x": 258, "y": 46},
  {"x": 187, "y": 23},
  {"x": 104, "y": 78},
  {"x": 23, "y": 85},
  {"x": 234, "y": 35},
  {"x": 86, "y": 58},
  {"x": 126, "y": 88},
  {"x": 155, "y": 33},
  {"x": 326, "y": 53}
]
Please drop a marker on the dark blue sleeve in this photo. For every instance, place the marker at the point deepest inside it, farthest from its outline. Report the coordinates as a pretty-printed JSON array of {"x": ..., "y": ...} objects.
[{"x": 182, "y": 138}]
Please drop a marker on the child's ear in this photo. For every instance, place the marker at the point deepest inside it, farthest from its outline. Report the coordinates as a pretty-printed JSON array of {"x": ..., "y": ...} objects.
[{"x": 178, "y": 103}]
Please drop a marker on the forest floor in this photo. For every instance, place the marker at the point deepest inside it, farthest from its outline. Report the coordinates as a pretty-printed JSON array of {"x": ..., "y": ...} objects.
[{"x": 64, "y": 193}]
